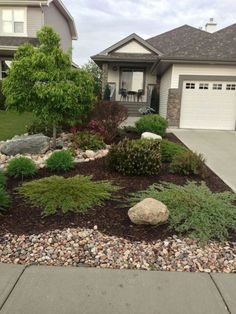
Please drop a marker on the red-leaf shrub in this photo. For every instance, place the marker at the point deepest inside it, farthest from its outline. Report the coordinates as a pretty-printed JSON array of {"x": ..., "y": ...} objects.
[{"x": 108, "y": 116}]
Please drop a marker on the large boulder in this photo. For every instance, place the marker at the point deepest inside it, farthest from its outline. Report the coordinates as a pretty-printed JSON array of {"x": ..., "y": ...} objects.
[
  {"x": 151, "y": 136},
  {"x": 148, "y": 212},
  {"x": 30, "y": 144}
]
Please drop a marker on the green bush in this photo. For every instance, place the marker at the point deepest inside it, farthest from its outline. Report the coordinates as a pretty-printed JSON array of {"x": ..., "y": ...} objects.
[
  {"x": 135, "y": 157},
  {"x": 4, "y": 200},
  {"x": 21, "y": 167},
  {"x": 169, "y": 150},
  {"x": 76, "y": 194},
  {"x": 88, "y": 140},
  {"x": 2, "y": 179},
  {"x": 152, "y": 123},
  {"x": 194, "y": 210},
  {"x": 189, "y": 163},
  {"x": 60, "y": 161}
]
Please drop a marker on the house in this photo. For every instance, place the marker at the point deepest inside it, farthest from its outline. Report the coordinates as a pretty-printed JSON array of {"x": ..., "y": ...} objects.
[
  {"x": 193, "y": 69},
  {"x": 21, "y": 19}
]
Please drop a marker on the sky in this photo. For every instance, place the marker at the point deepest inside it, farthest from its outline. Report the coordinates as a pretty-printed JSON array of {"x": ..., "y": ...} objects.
[{"x": 101, "y": 23}]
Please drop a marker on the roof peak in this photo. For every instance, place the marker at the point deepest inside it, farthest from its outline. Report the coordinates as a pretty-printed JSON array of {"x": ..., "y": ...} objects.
[{"x": 177, "y": 28}]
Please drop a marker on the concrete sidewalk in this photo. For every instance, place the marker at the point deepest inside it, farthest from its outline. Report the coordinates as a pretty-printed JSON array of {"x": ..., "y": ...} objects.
[
  {"x": 218, "y": 147},
  {"x": 68, "y": 290}
]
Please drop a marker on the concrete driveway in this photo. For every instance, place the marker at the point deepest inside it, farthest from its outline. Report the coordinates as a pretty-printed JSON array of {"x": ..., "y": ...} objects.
[{"x": 218, "y": 147}]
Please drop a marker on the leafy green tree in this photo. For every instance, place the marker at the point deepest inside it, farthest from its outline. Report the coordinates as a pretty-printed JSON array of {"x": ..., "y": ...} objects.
[
  {"x": 41, "y": 80},
  {"x": 107, "y": 93},
  {"x": 96, "y": 73},
  {"x": 155, "y": 100}
]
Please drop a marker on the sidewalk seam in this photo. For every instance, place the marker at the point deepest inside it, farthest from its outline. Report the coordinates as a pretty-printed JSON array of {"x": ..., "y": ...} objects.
[
  {"x": 9, "y": 294},
  {"x": 222, "y": 297}
]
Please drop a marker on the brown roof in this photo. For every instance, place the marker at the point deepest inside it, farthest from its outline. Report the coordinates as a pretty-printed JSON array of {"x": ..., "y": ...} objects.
[
  {"x": 186, "y": 43},
  {"x": 178, "y": 38},
  {"x": 127, "y": 57},
  {"x": 16, "y": 41},
  {"x": 219, "y": 46}
]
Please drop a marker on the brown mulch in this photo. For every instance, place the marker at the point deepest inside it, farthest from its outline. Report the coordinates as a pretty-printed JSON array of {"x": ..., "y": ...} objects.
[{"x": 111, "y": 219}]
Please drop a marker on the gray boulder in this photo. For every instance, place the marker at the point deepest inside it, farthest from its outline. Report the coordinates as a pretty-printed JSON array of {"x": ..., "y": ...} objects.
[
  {"x": 148, "y": 212},
  {"x": 30, "y": 144}
]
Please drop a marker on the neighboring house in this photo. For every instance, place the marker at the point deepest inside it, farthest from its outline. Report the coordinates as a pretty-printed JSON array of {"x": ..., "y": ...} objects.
[
  {"x": 194, "y": 70},
  {"x": 21, "y": 19}
]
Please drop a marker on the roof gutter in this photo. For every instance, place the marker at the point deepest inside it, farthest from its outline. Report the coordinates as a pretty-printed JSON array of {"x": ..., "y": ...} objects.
[
  {"x": 24, "y": 2},
  {"x": 192, "y": 60}
]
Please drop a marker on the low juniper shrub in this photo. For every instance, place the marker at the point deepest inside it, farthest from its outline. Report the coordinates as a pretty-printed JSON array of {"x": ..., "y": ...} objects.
[{"x": 189, "y": 163}]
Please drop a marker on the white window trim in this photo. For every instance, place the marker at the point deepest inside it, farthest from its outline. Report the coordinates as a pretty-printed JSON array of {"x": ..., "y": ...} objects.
[{"x": 25, "y": 34}]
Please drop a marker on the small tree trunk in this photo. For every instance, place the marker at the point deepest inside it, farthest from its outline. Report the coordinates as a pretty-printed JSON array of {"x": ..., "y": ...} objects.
[{"x": 54, "y": 135}]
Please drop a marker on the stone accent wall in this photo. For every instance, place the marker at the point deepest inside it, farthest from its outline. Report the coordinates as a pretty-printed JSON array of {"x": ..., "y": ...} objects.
[
  {"x": 173, "y": 107},
  {"x": 104, "y": 77}
]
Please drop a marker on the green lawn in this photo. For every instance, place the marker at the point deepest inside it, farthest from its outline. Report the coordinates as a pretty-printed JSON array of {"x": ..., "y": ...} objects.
[{"x": 13, "y": 123}]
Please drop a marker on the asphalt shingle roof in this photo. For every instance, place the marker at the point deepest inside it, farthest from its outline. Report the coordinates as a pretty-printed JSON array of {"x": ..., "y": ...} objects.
[
  {"x": 16, "y": 41},
  {"x": 187, "y": 42},
  {"x": 178, "y": 38}
]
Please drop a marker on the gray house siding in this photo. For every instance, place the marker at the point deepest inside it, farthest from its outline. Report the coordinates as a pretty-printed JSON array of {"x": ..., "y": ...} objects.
[
  {"x": 34, "y": 20},
  {"x": 54, "y": 18}
]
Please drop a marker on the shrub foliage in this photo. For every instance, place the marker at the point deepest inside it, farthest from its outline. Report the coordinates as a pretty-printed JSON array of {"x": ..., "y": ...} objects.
[
  {"x": 2, "y": 98},
  {"x": 169, "y": 150},
  {"x": 152, "y": 123},
  {"x": 108, "y": 116},
  {"x": 21, "y": 167},
  {"x": 2, "y": 179},
  {"x": 60, "y": 161},
  {"x": 194, "y": 210},
  {"x": 135, "y": 157},
  {"x": 76, "y": 194},
  {"x": 4, "y": 200},
  {"x": 189, "y": 163},
  {"x": 88, "y": 140}
]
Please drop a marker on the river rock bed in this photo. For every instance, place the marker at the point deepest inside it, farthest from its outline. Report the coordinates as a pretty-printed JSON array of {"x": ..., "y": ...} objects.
[{"x": 89, "y": 247}]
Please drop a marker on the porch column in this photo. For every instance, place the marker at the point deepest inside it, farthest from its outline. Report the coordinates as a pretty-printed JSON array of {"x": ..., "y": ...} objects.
[
  {"x": 104, "y": 77},
  {"x": 173, "y": 107}
]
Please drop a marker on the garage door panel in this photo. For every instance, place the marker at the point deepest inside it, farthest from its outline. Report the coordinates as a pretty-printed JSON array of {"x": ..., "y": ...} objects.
[{"x": 208, "y": 108}]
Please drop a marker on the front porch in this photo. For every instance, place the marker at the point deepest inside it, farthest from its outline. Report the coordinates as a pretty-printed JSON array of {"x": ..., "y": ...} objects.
[
  {"x": 130, "y": 84},
  {"x": 133, "y": 107}
]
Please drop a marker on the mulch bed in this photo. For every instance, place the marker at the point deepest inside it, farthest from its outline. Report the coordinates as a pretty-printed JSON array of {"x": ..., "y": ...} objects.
[{"x": 112, "y": 218}]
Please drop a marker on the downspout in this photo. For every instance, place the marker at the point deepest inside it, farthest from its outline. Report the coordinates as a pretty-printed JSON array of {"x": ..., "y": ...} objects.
[{"x": 42, "y": 18}]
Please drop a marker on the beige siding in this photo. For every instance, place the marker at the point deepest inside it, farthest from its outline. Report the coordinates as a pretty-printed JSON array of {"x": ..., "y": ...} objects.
[
  {"x": 54, "y": 18},
  {"x": 114, "y": 77},
  {"x": 34, "y": 20},
  {"x": 185, "y": 69},
  {"x": 164, "y": 90},
  {"x": 133, "y": 47}
]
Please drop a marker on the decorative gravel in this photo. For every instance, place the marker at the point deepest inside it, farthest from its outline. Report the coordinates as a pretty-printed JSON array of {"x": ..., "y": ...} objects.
[{"x": 89, "y": 247}]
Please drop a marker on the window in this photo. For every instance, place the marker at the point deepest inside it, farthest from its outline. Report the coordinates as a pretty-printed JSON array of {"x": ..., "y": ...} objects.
[
  {"x": 132, "y": 80},
  {"x": 5, "y": 65},
  {"x": 203, "y": 86},
  {"x": 13, "y": 21},
  {"x": 230, "y": 86},
  {"x": 190, "y": 86},
  {"x": 217, "y": 86}
]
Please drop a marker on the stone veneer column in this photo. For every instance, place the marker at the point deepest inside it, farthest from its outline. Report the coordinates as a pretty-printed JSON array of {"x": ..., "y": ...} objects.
[
  {"x": 173, "y": 107},
  {"x": 104, "y": 77}
]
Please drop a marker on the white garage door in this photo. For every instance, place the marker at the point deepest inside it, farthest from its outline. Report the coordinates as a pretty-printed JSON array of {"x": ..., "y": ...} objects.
[{"x": 208, "y": 105}]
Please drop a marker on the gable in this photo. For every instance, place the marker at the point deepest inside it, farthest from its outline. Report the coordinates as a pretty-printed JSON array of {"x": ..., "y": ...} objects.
[{"x": 132, "y": 47}]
